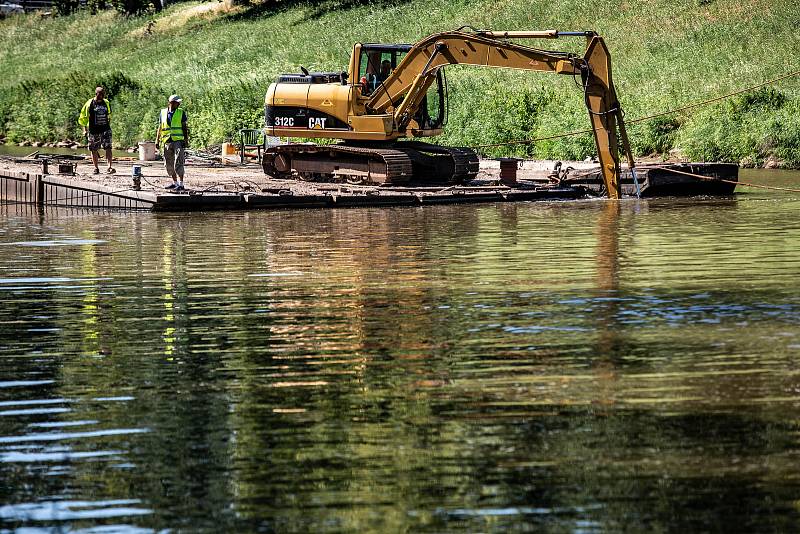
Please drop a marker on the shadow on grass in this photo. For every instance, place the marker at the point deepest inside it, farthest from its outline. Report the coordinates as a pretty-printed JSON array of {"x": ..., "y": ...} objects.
[{"x": 318, "y": 9}]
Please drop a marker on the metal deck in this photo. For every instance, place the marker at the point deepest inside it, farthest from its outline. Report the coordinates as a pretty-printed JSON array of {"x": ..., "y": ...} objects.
[{"x": 18, "y": 184}]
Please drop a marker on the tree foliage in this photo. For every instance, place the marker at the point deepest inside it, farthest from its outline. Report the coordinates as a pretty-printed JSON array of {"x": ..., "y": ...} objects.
[
  {"x": 65, "y": 7},
  {"x": 131, "y": 7}
]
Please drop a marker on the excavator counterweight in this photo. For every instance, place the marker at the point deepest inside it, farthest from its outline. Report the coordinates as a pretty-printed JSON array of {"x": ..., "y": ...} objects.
[{"x": 397, "y": 91}]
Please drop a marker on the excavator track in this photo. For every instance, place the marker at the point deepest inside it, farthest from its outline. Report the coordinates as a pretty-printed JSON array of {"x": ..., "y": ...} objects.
[
  {"x": 398, "y": 163},
  {"x": 338, "y": 163},
  {"x": 441, "y": 164}
]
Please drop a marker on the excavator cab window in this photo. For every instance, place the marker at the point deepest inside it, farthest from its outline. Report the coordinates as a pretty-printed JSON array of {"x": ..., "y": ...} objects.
[{"x": 376, "y": 64}]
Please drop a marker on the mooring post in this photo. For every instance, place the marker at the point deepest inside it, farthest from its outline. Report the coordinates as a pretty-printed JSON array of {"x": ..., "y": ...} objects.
[
  {"x": 39, "y": 189},
  {"x": 508, "y": 171}
]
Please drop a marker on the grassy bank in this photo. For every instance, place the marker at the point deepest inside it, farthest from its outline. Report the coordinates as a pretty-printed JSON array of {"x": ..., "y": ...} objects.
[{"x": 665, "y": 54}]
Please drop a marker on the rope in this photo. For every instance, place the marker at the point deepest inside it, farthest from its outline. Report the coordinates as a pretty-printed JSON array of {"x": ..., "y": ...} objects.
[
  {"x": 529, "y": 141},
  {"x": 745, "y": 184},
  {"x": 645, "y": 118},
  {"x": 148, "y": 182}
]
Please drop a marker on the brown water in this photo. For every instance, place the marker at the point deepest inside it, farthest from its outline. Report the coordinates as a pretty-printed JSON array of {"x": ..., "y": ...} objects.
[{"x": 576, "y": 366}]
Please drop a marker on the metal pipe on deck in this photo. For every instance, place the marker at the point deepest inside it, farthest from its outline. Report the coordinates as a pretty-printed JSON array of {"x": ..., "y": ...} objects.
[
  {"x": 546, "y": 34},
  {"x": 543, "y": 34}
]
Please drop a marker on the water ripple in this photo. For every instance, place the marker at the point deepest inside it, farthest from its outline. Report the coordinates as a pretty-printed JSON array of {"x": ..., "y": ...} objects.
[
  {"x": 54, "y": 243},
  {"x": 57, "y": 436},
  {"x": 526, "y": 366},
  {"x": 71, "y": 510}
]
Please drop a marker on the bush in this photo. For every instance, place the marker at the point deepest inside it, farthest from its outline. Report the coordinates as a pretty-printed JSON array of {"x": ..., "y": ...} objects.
[
  {"x": 219, "y": 114},
  {"x": 489, "y": 110},
  {"x": 48, "y": 110},
  {"x": 65, "y": 7},
  {"x": 656, "y": 136},
  {"x": 131, "y": 7},
  {"x": 752, "y": 127}
]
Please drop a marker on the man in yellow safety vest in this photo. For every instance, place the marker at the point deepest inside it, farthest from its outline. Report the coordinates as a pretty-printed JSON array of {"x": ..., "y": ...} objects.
[{"x": 173, "y": 136}]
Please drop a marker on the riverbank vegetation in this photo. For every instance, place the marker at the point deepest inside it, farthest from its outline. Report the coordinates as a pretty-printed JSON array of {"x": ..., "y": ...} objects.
[{"x": 222, "y": 58}]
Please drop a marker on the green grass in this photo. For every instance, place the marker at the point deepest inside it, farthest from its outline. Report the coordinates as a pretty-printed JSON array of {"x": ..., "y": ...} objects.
[{"x": 665, "y": 55}]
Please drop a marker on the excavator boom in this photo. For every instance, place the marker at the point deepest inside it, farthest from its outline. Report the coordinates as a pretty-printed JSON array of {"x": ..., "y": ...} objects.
[{"x": 411, "y": 79}]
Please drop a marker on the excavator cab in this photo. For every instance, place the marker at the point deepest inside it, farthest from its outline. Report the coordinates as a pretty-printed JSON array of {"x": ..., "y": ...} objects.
[{"x": 376, "y": 63}]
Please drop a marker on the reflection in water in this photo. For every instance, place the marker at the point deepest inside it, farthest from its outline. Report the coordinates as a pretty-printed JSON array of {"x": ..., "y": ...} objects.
[
  {"x": 559, "y": 366},
  {"x": 610, "y": 348}
]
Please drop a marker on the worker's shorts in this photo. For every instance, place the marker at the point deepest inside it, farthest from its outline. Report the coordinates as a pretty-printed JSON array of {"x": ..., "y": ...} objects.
[
  {"x": 174, "y": 153},
  {"x": 100, "y": 140}
]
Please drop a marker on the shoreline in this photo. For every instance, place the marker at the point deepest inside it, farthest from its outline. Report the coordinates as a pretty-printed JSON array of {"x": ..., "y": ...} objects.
[
  {"x": 486, "y": 163},
  {"x": 69, "y": 182}
]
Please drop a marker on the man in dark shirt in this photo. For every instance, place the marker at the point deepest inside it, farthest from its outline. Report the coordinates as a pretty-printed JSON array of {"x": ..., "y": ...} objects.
[
  {"x": 386, "y": 70},
  {"x": 95, "y": 118}
]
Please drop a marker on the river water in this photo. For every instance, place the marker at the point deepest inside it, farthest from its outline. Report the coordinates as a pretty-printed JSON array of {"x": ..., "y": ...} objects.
[{"x": 574, "y": 366}]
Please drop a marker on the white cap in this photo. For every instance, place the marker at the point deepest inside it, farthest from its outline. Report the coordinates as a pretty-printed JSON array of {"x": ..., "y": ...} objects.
[{"x": 175, "y": 98}]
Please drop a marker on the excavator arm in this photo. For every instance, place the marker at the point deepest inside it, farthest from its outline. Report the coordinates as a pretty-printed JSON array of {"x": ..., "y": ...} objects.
[{"x": 404, "y": 90}]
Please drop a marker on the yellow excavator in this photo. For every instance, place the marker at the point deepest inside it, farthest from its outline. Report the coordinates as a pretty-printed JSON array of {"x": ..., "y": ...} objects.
[{"x": 396, "y": 91}]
